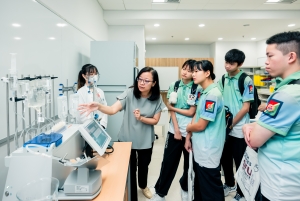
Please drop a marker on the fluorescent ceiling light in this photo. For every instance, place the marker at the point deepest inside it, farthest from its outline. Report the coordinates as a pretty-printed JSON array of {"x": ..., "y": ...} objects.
[
  {"x": 291, "y": 25},
  {"x": 17, "y": 38},
  {"x": 156, "y": 25},
  {"x": 51, "y": 38},
  {"x": 201, "y": 25},
  {"x": 16, "y": 25},
  {"x": 220, "y": 38},
  {"x": 61, "y": 25},
  {"x": 253, "y": 38},
  {"x": 187, "y": 39},
  {"x": 153, "y": 38},
  {"x": 272, "y": 1}
]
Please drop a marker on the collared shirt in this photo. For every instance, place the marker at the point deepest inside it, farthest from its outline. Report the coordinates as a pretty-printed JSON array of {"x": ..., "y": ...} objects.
[
  {"x": 208, "y": 144},
  {"x": 86, "y": 96},
  {"x": 279, "y": 157},
  {"x": 183, "y": 92},
  {"x": 234, "y": 100}
]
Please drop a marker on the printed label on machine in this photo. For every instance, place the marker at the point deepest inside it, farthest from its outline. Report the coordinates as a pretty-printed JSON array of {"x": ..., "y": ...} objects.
[{"x": 81, "y": 189}]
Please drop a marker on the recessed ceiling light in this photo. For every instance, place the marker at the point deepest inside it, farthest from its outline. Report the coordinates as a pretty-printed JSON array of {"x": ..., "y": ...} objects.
[
  {"x": 220, "y": 38},
  {"x": 156, "y": 25},
  {"x": 16, "y": 25},
  {"x": 187, "y": 39},
  {"x": 201, "y": 25},
  {"x": 291, "y": 25},
  {"x": 34, "y": 1},
  {"x": 253, "y": 38},
  {"x": 17, "y": 38},
  {"x": 51, "y": 38},
  {"x": 61, "y": 25},
  {"x": 158, "y": 1},
  {"x": 153, "y": 38},
  {"x": 272, "y": 1}
]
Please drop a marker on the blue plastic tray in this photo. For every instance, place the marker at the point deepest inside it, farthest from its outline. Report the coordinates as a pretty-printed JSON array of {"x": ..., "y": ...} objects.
[{"x": 46, "y": 140}]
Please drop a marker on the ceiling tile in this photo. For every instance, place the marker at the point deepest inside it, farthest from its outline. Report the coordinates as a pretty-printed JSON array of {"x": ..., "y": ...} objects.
[
  {"x": 138, "y": 1},
  {"x": 164, "y": 6},
  {"x": 112, "y": 5},
  {"x": 191, "y": 6},
  {"x": 218, "y": 6},
  {"x": 279, "y": 7},
  {"x": 138, "y": 6},
  {"x": 245, "y": 6},
  {"x": 223, "y": 1},
  {"x": 193, "y": 1}
]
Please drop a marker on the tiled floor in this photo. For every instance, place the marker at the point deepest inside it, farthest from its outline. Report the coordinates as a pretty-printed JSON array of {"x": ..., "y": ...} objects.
[{"x": 154, "y": 169}]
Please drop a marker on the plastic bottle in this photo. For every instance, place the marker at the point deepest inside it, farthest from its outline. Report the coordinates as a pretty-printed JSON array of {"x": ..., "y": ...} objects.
[
  {"x": 73, "y": 104},
  {"x": 62, "y": 107}
]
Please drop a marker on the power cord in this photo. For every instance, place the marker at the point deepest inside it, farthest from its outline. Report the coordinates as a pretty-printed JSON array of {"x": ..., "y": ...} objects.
[{"x": 110, "y": 147}]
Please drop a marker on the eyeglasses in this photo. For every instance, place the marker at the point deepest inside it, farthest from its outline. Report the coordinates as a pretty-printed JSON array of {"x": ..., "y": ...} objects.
[{"x": 143, "y": 81}]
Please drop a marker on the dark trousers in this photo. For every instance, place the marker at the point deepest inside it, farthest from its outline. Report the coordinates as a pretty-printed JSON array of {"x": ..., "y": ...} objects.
[
  {"x": 233, "y": 148},
  {"x": 169, "y": 165},
  {"x": 208, "y": 184},
  {"x": 142, "y": 159},
  {"x": 263, "y": 198}
]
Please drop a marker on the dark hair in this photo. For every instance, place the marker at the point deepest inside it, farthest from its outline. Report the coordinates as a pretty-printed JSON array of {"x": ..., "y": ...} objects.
[
  {"x": 189, "y": 63},
  {"x": 155, "y": 91},
  {"x": 235, "y": 55},
  {"x": 206, "y": 65},
  {"x": 86, "y": 70},
  {"x": 286, "y": 42}
]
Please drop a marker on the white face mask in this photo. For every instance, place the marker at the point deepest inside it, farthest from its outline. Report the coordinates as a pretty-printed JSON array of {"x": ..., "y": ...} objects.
[{"x": 93, "y": 79}]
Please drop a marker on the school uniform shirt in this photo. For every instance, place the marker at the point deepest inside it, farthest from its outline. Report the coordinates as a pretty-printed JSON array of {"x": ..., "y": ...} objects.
[
  {"x": 183, "y": 93},
  {"x": 208, "y": 144},
  {"x": 279, "y": 157},
  {"x": 86, "y": 96},
  {"x": 132, "y": 130},
  {"x": 234, "y": 100}
]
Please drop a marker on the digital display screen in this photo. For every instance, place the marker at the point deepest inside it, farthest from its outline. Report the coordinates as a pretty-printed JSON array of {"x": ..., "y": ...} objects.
[{"x": 97, "y": 133}]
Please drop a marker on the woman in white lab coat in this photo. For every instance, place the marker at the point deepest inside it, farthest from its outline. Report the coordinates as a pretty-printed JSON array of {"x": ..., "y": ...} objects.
[{"x": 87, "y": 77}]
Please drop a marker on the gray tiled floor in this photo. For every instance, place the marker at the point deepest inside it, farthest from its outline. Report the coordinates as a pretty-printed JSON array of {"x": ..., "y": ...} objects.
[{"x": 154, "y": 169}]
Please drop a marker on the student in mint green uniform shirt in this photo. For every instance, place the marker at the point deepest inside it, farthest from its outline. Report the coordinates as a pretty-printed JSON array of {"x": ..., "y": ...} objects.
[
  {"x": 239, "y": 105},
  {"x": 181, "y": 115},
  {"x": 208, "y": 135},
  {"x": 277, "y": 132}
]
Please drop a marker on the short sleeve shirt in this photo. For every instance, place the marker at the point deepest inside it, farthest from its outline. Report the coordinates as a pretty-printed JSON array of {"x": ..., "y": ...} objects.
[
  {"x": 208, "y": 144},
  {"x": 183, "y": 93},
  {"x": 140, "y": 134},
  {"x": 234, "y": 100},
  {"x": 279, "y": 157}
]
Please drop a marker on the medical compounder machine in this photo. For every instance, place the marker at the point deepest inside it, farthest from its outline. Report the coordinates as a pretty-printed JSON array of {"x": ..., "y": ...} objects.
[{"x": 64, "y": 152}]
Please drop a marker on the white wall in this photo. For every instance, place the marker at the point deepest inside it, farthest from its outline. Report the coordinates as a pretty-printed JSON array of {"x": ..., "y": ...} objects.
[
  {"x": 249, "y": 48},
  {"x": 177, "y": 51},
  {"x": 86, "y": 15},
  {"x": 130, "y": 33}
]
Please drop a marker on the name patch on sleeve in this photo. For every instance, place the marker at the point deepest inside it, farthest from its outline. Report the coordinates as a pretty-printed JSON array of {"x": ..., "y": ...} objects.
[
  {"x": 251, "y": 89},
  {"x": 210, "y": 106},
  {"x": 273, "y": 108}
]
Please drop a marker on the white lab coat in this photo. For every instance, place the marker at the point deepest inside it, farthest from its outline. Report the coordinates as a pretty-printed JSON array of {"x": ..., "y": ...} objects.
[{"x": 87, "y": 97}]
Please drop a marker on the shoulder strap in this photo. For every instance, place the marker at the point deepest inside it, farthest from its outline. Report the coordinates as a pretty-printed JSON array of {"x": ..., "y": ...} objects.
[
  {"x": 194, "y": 88},
  {"x": 241, "y": 83},
  {"x": 176, "y": 85},
  {"x": 295, "y": 82},
  {"x": 223, "y": 80}
]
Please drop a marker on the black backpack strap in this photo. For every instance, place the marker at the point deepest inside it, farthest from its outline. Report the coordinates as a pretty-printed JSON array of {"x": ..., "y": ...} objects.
[
  {"x": 295, "y": 82},
  {"x": 194, "y": 88},
  {"x": 176, "y": 86},
  {"x": 223, "y": 80},
  {"x": 241, "y": 83}
]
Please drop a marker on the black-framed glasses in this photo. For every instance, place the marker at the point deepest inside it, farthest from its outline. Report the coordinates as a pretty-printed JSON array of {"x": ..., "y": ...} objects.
[{"x": 143, "y": 81}]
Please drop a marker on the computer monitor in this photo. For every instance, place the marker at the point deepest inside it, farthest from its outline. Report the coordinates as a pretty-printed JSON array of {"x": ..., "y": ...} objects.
[{"x": 95, "y": 136}]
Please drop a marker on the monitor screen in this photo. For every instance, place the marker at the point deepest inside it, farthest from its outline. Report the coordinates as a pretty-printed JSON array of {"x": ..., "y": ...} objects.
[
  {"x": 95, "y": 136},
  {"x": 97, "y": 133}
]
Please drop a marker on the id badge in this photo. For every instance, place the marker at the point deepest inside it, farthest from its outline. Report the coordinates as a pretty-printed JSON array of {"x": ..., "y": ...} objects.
[{"x": 191, "y": 99}]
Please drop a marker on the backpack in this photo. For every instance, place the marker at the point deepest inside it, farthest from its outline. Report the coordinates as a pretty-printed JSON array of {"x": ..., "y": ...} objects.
[
  {"x": 253, "y": 109},
  {"x": 228, "y": 120},
  {"x": 295, "y": 82},
  {"x": 193, "y": 89}
]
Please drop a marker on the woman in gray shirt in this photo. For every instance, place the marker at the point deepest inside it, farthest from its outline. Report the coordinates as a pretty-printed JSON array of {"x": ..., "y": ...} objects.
[{"x": 142, "y": 105}]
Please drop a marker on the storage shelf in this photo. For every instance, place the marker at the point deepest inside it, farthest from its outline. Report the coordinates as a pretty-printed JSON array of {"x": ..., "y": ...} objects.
[{"x": 264, "y": 92}]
